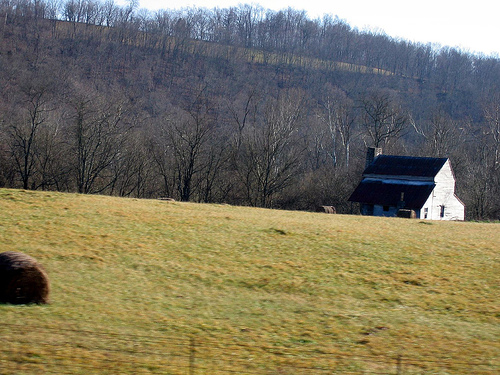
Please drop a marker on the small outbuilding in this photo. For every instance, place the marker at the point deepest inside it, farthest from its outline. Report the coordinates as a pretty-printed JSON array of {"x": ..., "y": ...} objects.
[{"x": 423, "y": 185}]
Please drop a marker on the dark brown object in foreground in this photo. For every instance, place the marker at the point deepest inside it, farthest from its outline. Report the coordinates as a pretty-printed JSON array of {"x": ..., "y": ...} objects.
[{"x": 22, "y": 279}]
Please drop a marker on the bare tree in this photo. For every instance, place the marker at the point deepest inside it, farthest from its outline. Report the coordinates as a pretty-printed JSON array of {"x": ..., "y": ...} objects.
[
  {"x": 338, "y": 116},
  {"x": 52, "y": 164},
  {"x": 160, "y": 151},
  {"x": 248, "y": 17},
  {"x": 383, "y": 118},
  {"x": 97, "y": 134},
  {"x": 243, "y": 111},
  {"x": 480, "y": 184},
  {"x": 270, "y": 155},
  {"x": 443, "y": 135},
  {"x": 132, "y": 171},
  {"x": 491, "y": 111},
  {"x": 25, "y": 130},
  {"x": 484, "y": 182},
  {"x": 182, "y": 152}
]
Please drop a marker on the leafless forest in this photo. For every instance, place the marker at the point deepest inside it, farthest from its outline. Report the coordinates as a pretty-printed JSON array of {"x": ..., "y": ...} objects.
[{"x": 242, "y": 105}]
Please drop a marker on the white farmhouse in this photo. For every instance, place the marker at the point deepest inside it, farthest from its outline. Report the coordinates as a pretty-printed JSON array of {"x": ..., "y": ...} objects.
[{"x": 424, "y": 185}]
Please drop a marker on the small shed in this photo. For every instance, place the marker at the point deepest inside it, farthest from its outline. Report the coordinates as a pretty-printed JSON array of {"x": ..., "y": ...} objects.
[{"x": 424, "y": 185}]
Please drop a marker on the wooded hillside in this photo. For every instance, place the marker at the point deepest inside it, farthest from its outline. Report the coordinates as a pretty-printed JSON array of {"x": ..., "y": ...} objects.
[{"x": 241, "y": 105}]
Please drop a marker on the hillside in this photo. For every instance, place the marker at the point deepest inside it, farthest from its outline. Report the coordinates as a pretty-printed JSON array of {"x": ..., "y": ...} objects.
[
  {"x": 149, "y": 286},
  {"x": 243, "y": 105}
]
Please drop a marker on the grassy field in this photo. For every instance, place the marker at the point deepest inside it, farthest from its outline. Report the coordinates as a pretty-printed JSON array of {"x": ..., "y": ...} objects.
[{"x": 147, "y": 286}]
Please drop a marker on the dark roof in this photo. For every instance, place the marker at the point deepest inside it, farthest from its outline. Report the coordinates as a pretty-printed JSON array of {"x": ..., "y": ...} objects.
[
  {"x": 388, "y": 165},
  {"x": 388, "y": 193}
]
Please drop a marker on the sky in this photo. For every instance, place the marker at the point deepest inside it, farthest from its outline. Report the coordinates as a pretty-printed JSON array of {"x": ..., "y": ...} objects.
[{"x": 473, "y": 26}]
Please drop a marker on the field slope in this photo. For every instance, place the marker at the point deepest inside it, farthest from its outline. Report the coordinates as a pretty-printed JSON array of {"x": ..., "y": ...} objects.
[{"x": 146, "y": 286}]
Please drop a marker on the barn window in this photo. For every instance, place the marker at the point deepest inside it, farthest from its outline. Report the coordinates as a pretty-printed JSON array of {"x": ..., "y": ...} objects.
[
  {"x": 386, "y": 208},
  {"x": 442, "y": 211},
  {"x": 426, "y": 212}
]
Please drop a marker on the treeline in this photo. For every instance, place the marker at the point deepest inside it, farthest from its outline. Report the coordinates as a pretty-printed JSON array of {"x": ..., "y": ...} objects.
[
  {"x": 287, "y": 31},
  {"x": 226, "y": 105}
]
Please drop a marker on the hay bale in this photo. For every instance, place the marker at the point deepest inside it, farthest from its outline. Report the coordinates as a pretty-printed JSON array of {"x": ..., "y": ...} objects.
[
  {"x": 405, "y": 213},
  {"x": 326, "y": 209},
  {"x": 166, "y": 199},
  {"x": 22, "y": 279}
]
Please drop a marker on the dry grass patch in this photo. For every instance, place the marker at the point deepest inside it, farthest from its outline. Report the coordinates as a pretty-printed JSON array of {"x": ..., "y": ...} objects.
[{"x": 273, "y": 289}]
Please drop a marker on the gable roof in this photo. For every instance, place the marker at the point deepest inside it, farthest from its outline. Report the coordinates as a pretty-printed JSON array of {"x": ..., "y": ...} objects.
[
  {"x": 388, "y": 193},
  {"x": 389, "y": 165}
]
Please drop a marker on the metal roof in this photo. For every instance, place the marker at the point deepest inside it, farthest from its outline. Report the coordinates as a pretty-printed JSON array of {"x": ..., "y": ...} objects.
[
  {"x": 389, "y": 165},
  {"x": 388, "y": 193}
]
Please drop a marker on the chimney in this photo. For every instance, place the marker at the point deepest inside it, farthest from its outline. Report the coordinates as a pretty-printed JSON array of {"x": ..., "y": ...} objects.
[{"x": 371, "y": 154}]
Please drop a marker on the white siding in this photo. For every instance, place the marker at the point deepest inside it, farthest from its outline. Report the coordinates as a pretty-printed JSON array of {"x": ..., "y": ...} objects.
[{"x": 443, "y": 195}]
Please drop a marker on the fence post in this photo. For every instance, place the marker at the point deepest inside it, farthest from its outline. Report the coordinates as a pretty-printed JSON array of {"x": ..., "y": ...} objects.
[
  {"x": 192, "y": 351},
  {"x": 399, "y": 364}
]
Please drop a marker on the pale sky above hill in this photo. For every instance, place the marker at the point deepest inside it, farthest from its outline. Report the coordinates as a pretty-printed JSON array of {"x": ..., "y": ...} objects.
[{"x": 473, "y": 26}]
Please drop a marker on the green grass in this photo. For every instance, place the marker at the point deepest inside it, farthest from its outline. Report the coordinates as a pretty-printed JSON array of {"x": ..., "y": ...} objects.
[{"x": 260, "y": 291}]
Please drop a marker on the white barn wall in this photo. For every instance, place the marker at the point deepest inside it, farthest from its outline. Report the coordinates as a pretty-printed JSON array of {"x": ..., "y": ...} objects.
[{"x": 444, "y": 195}]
